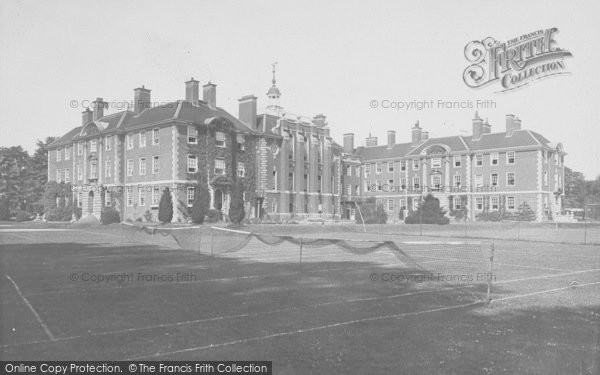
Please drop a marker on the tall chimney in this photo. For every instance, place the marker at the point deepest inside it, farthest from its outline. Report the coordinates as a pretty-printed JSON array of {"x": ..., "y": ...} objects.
[
  {"x": 192, "y": 90},
  {"x": 141, "y": 99},
  {"x": 477, "y": 127},
  {"x": 391, "y": 138},
  {"x": 517, "y": 124},
  {"x": 416, "y": 134},
  {"x": 370, "y": 141},
  {"x": 209, "y": 94},
  {"x": 424, "y": 135},
  {"x": 349, "y": 143},
  {"x": 99, "y": 105},
  {"x": 510, "y": 120},
  {"x": 86, "y": 116},
  {"x": 487, "y": 128},
  {"x": 247, "y": 111},
  {"x": 320, "y": 120}
]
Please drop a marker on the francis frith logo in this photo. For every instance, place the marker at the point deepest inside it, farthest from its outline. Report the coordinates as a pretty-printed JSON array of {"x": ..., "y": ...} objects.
[{"x": 514, "y": 63}]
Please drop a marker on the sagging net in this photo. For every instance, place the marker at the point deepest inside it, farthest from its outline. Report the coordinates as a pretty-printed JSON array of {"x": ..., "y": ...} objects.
[{"x": 187, "y": 238}]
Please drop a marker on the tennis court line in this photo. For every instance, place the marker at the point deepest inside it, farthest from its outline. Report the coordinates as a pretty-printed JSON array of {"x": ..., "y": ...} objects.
[
  {"x": 28, "y": 238},
  {"x": 544, "y": 291},
  {"x": 545, "y": 276},
  {"x": 37, "y": 316}
]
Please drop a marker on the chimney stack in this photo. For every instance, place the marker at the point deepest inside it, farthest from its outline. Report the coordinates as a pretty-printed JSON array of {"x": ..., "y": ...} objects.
[
  {"x": 487, "y": 128},
  {"x": 424, "y": 135},
  {"x": 391, "y": 138},
  {"x": 477, "y": 127},
  {"x": 416, "y": 134},
  {"x": 349, "y": 143},
  {"x": 319, "y": 120},
  {"x": 209, "y": 92},
  {"x": 192, "y": 91},
  {"x": 86, "y": 116},
  {"x": 247, "y": 111},
  {"x": 510, "y": 122},
  {"x": 517, "y": 124},
  {"x": 141, "y": 99},
  {"x": 370, "y": 141},
  {"x": 99, "y": 105}
]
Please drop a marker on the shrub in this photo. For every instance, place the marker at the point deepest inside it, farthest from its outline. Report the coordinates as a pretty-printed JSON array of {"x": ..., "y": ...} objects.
[
  {"x": 524, "y": 213},
  {"x": 139, "y": 220},
  {"x": 148, "y": 216},
  {"x": 4, "y": 210},
  {"x": 165, "y": 207},
  {"x": 236, "y": 208},
  {"x": 110, "y": 216},
  {"x": 491, "y": 216},
  {"x": 214, "y": 216},
  {"x": 429, "y": 212},
  {"x": 22, "y": 216},
  {"x": 200, "y": 204}
]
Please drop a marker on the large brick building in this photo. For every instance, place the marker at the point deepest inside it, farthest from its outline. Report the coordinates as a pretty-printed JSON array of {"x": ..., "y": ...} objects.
[{"x": 289, "y": 165}]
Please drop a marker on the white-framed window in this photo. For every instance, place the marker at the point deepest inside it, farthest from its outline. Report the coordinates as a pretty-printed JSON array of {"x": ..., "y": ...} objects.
[
  {"x": 367, "y": 186},
  {"x": 494, "y": 158},
  {"x": 190, "y": 196},
  {"x": 436, "y": 163},
  {"x": 510, "y": 203},
  {"x": 403, "y": 183},
  {"x": 402, "y": 204},
  {"x": 478, "y": 160},
  {"x": 379, "y": 167},
  {"x": 494, "y": 201},
  {"x": 192, "y": 164},
  {"x": 416, "y": 183},
  {"x": 93, "y": 145},
  {"x": 457, "y": 203},
  {"x": 510, "y": 157},
  {"x": 129, "y": 167},
  {"x": 367, "y": 169},
  {"x": 93, "y": 170},
  {"x": 390, "y": 182},
  {"x": 107, "y": 200},
  {"x": 510, "y": 179},
  {"x": 129, "y": 141},
  {"x": 436, "y": 181},
  {"x": 220, "y": 139},
  {"x": 390, "y": 166},
  {"x": 457, "y": 178},
  {"x": 241, "y": 169},
  {"x": 192, "y": 135},
  {"x": 67, "y": 175},
  {"x": 415, "y": 164},
  {"x": 155, "y": 196},
  {"x": 349, "y": 171},
  {"x": 390, "y": 205},
  {"x": 220, "y": 166},
  {"x": 108, "y": 143},
  {"x": 107, "y": 168},
  {"x": 415, "y": 204},
  {"x": 545, "y": 178},
  {"x": 494, "y": 179},
  {"x": 79, "y": 172},
  {"x": 80, "y": 148},
  {"x": 155, "y": 136},
  {"x": 348, "y": 189},
  {"x": 479, "y": 203},
  {"x": 241, "y": 141},
  {"x": 142, "y": 140},
  {"x": 356, "y": 189},
  {"x": 478, "y": 180},
  {"x": 142, "y": 167},
  {"x": 275, "y": 179},
  {"x": 456, "y": 160},
  {"x": 379, "y": 184},
  {"x": 80, "y": 198},
  {"x": 402, "y": 165},
  {"x": 67, "y": 153},
  {"x": 155, "y": 165},
  {"x": 59, "y": 154},
  {"x": 141, "y": 197},
  {"x": 58, "y": 175},
  {"x": 129, "y": 193}
]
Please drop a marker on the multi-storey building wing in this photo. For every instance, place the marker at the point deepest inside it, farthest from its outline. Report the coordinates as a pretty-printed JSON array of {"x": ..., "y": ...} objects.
[{"x": 289, "y": 166}]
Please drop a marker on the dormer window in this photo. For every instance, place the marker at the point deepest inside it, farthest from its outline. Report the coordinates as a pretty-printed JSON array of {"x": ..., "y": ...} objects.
[
  {"x": 192, "y": 135},
  {"x": 220, "y": 139}
]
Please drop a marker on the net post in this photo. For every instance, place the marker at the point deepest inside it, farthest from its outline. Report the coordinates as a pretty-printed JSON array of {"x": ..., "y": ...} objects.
[
  {"x": 300, "y": 250},
  {"x": 489, "y": 281},
  {"x": 212, "y": 253}
]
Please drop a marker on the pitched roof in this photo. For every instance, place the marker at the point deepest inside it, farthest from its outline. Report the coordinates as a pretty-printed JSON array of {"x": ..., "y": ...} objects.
[{"x": 519, "y": 138}]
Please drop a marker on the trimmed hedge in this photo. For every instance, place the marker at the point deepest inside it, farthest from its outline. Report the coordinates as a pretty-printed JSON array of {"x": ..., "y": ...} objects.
[{"x": 110, "y": 216}]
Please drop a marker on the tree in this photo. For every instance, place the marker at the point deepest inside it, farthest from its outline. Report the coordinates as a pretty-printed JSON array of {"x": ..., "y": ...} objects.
[
  {"x": 201, "y": 203},
  {"x": 14, "y": 175},
  {"x": 524, "y": 213},
  {"x": 372, "y": 213},
  {"x": 165, "y": 207},
  {"x": 4, "y": 209},
  {"x": 39, "y": 174},
  {"x": 429, "y": 212},
  {"x": 236, "y": 207}
]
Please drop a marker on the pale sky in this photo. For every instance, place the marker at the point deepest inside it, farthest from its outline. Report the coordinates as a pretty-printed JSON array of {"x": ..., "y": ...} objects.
[{"x": 332, "y": 58}]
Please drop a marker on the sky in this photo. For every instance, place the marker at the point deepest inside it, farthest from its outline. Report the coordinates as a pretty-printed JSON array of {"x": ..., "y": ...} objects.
[{"x": 334, "y": 58}]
